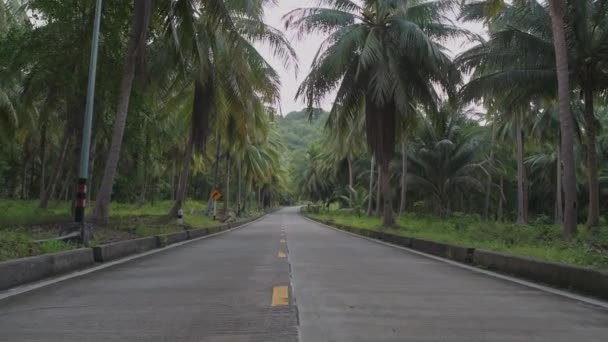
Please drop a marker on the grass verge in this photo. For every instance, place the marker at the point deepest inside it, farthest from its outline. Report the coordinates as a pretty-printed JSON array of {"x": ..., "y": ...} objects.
[
  {"x": 542, "y": 242},
  {"x": 22, "y": 222}
]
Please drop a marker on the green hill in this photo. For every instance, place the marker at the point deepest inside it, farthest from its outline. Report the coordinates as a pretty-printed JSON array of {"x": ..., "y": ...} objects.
[{"x": 298, "y": 131}]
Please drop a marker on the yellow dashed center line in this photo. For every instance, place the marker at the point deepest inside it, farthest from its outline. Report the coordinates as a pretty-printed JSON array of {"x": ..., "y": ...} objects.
[
  {"x": 280, "y": 296},
  {"x": 281, "y": 255}
]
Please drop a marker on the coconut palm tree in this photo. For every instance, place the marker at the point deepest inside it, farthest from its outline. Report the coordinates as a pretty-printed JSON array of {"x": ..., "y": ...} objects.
[
  {"x": 587, "y": 46},
  {"x": 142, "y": 13},
  {"x": 382, "y": 56},
  {"x": 314, "y": 179},
  {"x": 519, "y": 30},
  {"x": 229, "y": 75},
  {"x": 445, "y": 165},
  {"x": 346, "y": 144}
]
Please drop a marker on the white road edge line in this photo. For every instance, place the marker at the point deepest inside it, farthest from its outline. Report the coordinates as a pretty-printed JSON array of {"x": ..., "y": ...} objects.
[
  {"x": 536, "y": 286},
  {"x": 15, "y": 291}
]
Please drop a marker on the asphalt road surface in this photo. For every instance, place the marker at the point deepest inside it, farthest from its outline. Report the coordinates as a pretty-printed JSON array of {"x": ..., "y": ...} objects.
[{"x": 287, "y": 279}]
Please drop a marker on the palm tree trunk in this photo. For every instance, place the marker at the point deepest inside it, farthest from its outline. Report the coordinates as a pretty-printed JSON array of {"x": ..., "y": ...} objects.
[
  {"x": 351, "y": 179},
  {"x": 499, "y": 211},
  {"x": 216, "y": 185},
  {"x": 403, "y": 178},
  {"x": 522, "y": 217},
  {"x": 238, "y": 196},
  {"x": 180, "y": 197},
  {"x": 173, "y": 167},
  {"x": 26, "y": 161},
  {"x": 65, "y": 188},
  {"x": 145, "y": 174},
  {"x": 593, "y": 214},
  {"x": 247, "y": 194},
  {"x": 389, "y": 220},
  {"x": 371, "y": 188},
  {"x": 227, "y": 196},
  {"x": 566, "y": 121},
  {"x": 43, "y": 139},
  {"x": 379, "y": 189},
  {"x": 49, "y": 192},
  {"x": 559, "y": 214},
  {"x": 486, "y": 208},
  {"x": 137, "y": 42},
  {"x": 260, "y": 205}
]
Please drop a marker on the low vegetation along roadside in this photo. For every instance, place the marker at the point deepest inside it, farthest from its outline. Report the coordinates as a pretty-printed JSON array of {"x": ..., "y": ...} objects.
[
  {"x": 543, "y": 242},
  {"x": 22, "y": 223}
]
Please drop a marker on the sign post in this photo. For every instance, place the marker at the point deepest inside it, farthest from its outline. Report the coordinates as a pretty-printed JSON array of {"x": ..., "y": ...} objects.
[{"x": 215, "y": 196}]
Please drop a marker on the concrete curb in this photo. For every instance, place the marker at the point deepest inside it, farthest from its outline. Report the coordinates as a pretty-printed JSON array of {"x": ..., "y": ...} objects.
[
  {"x": 583, "y": 280},
  {"x": 171, "y": 238},
  {"x": 23, "y": 271},
  {"x": 26, "y": 270},
  {"x": 121, "y": 249}
]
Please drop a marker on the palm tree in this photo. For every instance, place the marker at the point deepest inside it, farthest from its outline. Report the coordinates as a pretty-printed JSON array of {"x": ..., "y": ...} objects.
[
  {"x": 371, "y": 185},
  {"x": 445, "y": 165},
  {"x": 13, "y": 13},
  {"x": 345, "y": 144},
  {"x": 229, "y": 74},
  {"x": 382, "y": 56},
  {"x": 12, "y": 16},
  {"x": 587, "y": 46},
  {"x": 135, "y": 53},
  {"x": 314, "y": 177},
  {"x": 511, "y": 60}
]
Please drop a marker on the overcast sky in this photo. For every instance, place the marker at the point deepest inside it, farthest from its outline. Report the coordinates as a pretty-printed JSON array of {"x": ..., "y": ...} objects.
[{"x": 306, "y": 50}]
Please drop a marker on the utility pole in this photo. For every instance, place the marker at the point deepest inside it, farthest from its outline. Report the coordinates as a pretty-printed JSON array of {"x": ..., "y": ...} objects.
[{"x": 81, "y": 196}]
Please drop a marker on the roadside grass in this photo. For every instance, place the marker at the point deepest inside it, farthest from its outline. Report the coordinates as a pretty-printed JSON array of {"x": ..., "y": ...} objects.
[
  {"x": 22, "y": 222},
  {"x": 18, "y": 213},
  {"x": 538, "y": 241},
  {"x": 18, "y": 245}
]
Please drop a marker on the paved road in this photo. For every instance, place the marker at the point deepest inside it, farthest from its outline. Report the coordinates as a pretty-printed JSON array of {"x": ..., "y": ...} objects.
[{"x": 342, "y": 288}]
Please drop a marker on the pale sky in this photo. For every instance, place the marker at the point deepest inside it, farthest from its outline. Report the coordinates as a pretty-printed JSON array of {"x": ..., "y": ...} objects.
[{"x": 306, "y": 50}]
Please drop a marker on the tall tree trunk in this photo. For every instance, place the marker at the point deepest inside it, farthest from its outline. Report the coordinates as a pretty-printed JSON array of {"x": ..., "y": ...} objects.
[
  {"x": 351, "y": 180},
  {"x": 403, "y": 178},
  {"x": 49, "y": 192},
  {"x": 240, "y": 183},
  {"x": 499, "y": 211},
  {"x": 559, "y": 210},
  {"x": 227, "y": 195},
  {"x": 389, "y": 220},
  {"x": 486, "y": 208},
  {"x": 145, "y": 174},
  {"x": 216, "y": 184},
  {"x": 247, "y": 194},
  {"x": 260, "y": 205},
  {"x": 173, "y": 167},
  {"x": 65, "y": 188},
  {"x": 26, "y": 163},
  {"x": 522, "y": 217},
  {"x": 379, "y": 189},
  {"x": 43, "y": 138},
  {"x": 182, "y": 186},
  {"x": 370, "y": 198},
  {"x": 566, "y": 121},
  {"x": 593, "y": 214},
  {"x": 137, "y": 42}
]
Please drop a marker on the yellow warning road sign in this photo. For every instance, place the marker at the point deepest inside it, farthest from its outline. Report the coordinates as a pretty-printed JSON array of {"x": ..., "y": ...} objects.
[{"x": 216, "y": 195}]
